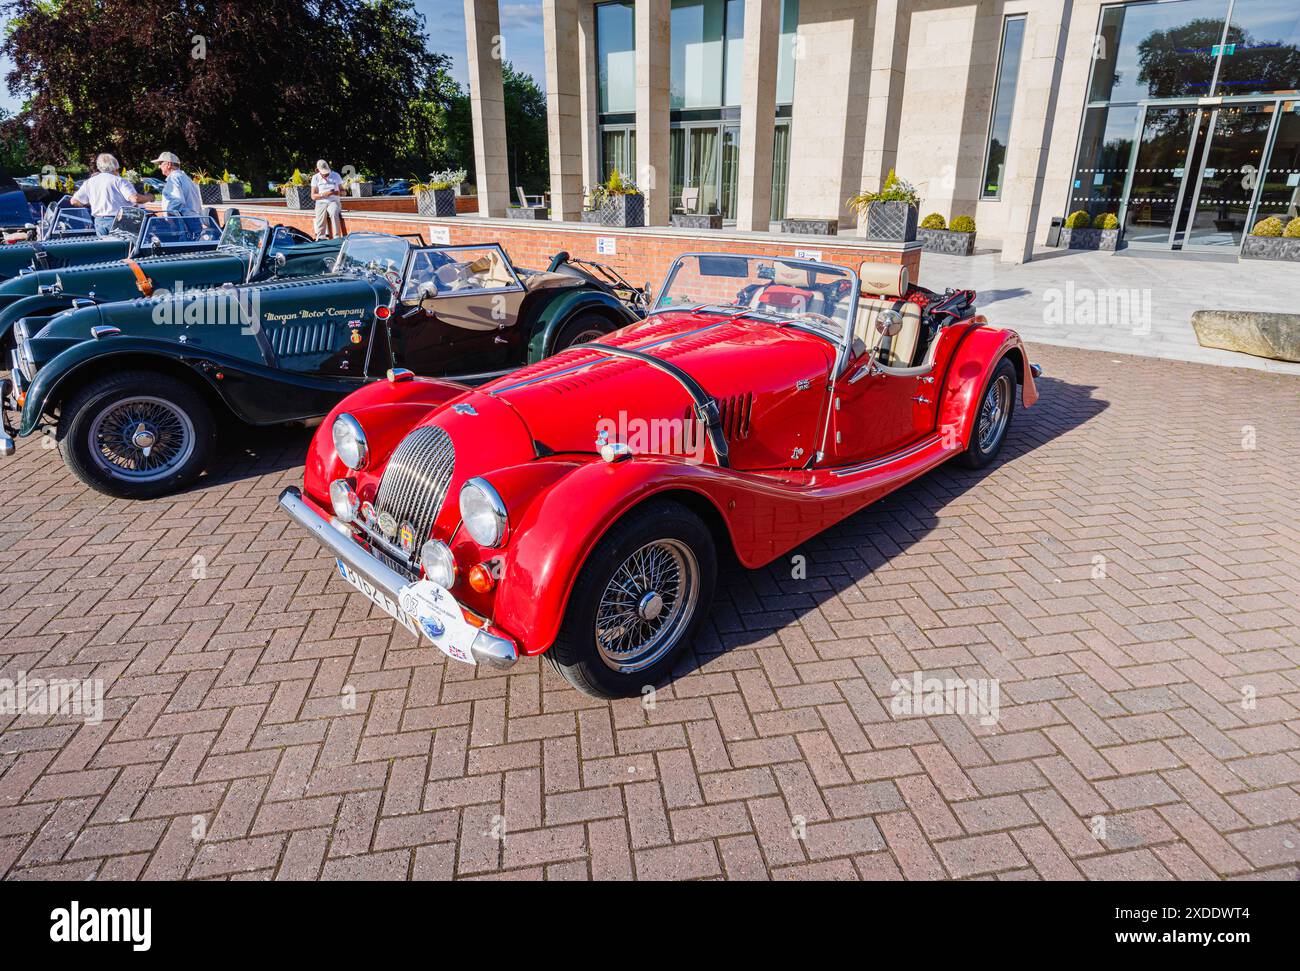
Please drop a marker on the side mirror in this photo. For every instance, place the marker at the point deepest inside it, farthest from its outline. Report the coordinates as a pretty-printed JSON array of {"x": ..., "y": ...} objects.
[{"x": 889, "y": 323}]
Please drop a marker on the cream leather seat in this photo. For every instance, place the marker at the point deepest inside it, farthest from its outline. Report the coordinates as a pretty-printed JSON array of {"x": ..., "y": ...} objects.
[{"x": 883, "y": 288}]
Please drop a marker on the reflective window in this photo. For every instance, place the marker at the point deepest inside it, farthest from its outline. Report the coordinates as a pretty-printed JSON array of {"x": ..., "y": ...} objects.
[
  {"x": 617, "y": 151},
  {"x": 780, "y": 170},
  {"x": 785, "y": 59},
  {"x": 616, "y": 57},
  {"x": 735, "y": 52},
  {"x": 456, "y": 272},
  {"x": 697, "y": 53},
  {"x": 1280, "y": 194},
  {"x": 1004, "y": 102},
  {"x": 1157, "y": 50},
  {"x": 376, "y": 252},
  {"x": 1262, "y": 52},
  {"x": 244, "y": 232},
  {"x": 1102, "y": 166}
]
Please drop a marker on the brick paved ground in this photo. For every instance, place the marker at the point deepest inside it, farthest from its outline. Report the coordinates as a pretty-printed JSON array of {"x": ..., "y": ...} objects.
[{"x": 1121, "y": 695}]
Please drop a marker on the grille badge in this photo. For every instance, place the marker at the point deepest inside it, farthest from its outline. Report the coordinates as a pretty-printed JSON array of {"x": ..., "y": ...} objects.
[
  {"x": 387, "y": 525},
  {"x": 406, "y": 537}
]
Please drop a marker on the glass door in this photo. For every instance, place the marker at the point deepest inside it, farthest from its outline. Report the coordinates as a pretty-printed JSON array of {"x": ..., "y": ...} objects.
[
  {"x": 1215, "y": 213},
  {"x": 1169, "y": 139},
  {"x": 1279, "y": 192},
  {"x": 704, "y": 167},
  {"x": 730, "y": 171}
]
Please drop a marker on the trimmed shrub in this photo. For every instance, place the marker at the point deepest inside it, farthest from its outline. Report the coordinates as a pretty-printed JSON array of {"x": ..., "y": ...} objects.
[
  {"x": 1106, "y": 220},
  {"x": 933, "y": 221},
  {"x": 1272, "y": 226},
  {"x": 1078, "y": 219},
  {"x": 1292, "y": 230},
  {"x": 962, "y": 224}
]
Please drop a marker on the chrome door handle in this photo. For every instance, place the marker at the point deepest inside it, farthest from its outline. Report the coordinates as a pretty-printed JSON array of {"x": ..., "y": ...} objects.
[{"x": 922, "y": 399}]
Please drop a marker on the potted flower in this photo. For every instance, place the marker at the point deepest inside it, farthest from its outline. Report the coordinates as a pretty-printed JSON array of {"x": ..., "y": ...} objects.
[
  {"x": 1271, "y": 239},
  {"x": 230, "y": 186},
  {"x": 1082, "y": 231},
  {"x": 955, "y": 239},
  {"x": 616, "y": 202},
  {"x": 890, "y": 213},
  {"x": 437, "y": 197},
  {"x": 296, "y": 191},
  {"x": 358, "y": 185}
]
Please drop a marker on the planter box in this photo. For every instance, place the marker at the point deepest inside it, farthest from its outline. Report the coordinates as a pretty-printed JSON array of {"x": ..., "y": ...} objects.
[
  {"x": 947, "y": 241},
  {"x": 811, "y": 227},
  {"x": 695, "y": 220},
  {"x": 436, "y": 202},
  {"x": 1106, "y": 240},
  {"x": 895, "y": 221},
  {"x": 218, "y": 192},
  {"x": 231, "y": 190},
  {"x": 298, "y": 197},
  {"x": 1270, "y": 335},
  {"x": 532, "y": 212},
  {"x": 591, "y": 216},
  {"x": 362, "y": 190},
  {"x": 621, "y": 211},
  {"x": 1270, "y": 248}
]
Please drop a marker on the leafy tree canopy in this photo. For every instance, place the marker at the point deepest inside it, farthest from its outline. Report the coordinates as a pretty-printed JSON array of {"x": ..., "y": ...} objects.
[{"x": 258, "y": 87}]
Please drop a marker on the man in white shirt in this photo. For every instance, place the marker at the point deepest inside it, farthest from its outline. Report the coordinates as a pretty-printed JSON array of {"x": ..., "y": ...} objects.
[
  {"x": 179, "y": 193},
  {"x": 107, "y": 194},
  {"x": 327, "y": 190}
]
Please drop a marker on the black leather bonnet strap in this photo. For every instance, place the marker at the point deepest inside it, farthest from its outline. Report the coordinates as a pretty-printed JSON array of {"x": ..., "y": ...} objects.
[{"x": 706, "y": 407}]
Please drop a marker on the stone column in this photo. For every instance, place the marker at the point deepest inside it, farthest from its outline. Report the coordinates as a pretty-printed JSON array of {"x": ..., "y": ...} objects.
[
  {"x": 757, "y": 114},
  {"x": 589, "y": 95},
  {"x": 563, "y": 106},
  {"x": 653, "y": 71},
  {"x": 885, "y": 90},
  {"x": 1031, "y": 125},
  {"x": 487, "y": 105}
]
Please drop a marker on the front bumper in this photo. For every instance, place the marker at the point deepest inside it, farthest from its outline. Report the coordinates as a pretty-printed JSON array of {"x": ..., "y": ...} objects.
[{"x": 489, "y": 647}]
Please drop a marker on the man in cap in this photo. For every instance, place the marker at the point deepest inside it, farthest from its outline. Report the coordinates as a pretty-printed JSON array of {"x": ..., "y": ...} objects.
[
  {"x": 180, "y": 193},
  {"x": 327, "y": 190}
]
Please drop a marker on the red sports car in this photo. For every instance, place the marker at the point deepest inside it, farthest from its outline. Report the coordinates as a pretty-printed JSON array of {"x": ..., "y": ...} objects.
[{"x": 577, "y": 506}]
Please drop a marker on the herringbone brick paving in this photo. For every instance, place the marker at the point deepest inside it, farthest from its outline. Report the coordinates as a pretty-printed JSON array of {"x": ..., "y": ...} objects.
[{"x": 1129, "y": 573}]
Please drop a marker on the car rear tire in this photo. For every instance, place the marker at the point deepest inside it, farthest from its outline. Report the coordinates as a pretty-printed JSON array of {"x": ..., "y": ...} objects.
[
  {"x": 997, "y": 403},
  {"x": 136, "y": 435},
  {"x": 581, "y": 329},
  {"x": 637, "y": 602}
]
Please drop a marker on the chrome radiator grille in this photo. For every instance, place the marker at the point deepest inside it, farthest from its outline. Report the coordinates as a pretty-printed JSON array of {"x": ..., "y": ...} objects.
[{"x": 416, "y": 480}]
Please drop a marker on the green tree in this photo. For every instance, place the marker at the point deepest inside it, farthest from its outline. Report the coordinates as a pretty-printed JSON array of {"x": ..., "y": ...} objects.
[
  {"x": 526, "y": 136},
  {"x": 256, "y": 86}
]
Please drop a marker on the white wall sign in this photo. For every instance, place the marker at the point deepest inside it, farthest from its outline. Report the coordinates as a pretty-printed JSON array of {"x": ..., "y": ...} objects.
[
  {"x": 440, "y": 235},
  {"x": 808, "y": 254},
  {"x": 606, "y": 246}
]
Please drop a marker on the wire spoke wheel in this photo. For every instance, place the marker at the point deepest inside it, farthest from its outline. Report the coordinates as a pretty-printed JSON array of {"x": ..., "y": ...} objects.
[
  {"x": 647, "y": 604},
  {"x": 994, "y": 411},
  {"x": 141, "y": 438}
]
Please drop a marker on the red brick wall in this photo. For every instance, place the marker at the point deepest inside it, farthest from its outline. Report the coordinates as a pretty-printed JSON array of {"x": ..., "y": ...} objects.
[{"x": 640, "y": 254}]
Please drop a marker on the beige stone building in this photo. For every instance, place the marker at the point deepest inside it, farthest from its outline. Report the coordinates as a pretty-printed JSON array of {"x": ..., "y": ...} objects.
[{"x": 1181, "y": 117}]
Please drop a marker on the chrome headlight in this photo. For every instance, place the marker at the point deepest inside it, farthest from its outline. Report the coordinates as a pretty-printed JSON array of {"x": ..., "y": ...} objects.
[
  {"x": 350, "y": 442},
  {"x": 483, "y": 513},
  {"x": 345, "y": 500},
  {"x": 439, "y": 563}
]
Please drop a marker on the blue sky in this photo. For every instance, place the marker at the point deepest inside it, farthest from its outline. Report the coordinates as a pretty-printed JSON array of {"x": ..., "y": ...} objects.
[{"x": 444, "y": 21}]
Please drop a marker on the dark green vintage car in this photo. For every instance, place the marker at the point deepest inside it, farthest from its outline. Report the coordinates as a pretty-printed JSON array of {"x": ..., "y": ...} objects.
[
  {"x": 135, "y": 232},
  {"x": 250, "y": 250},
  {"x": 133, "y": 390}
]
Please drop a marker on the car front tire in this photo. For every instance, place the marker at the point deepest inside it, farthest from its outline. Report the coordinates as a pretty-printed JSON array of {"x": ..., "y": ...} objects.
[
  {"x": 997, "y": 403},
  {"x": 581, "y": 329},
  {"x": 637, "y": 602},
  {"x": 136, "y": 435}
]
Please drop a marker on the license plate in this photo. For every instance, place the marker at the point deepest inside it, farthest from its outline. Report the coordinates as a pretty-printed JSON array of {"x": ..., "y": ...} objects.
[{"x": 378, "y": 597}]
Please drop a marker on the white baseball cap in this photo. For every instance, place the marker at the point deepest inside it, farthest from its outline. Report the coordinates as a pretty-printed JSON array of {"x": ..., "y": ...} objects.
[{"x": 167, "y": 157}]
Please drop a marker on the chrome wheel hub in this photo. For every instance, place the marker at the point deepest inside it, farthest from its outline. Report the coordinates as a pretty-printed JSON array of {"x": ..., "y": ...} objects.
[
  {"x": 141, "y": 439},
  {"x": 647, "y": 605},
  {"x": 993, "y": 413}
]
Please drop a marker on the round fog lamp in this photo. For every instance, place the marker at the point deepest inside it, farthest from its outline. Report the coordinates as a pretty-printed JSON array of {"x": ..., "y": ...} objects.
[
  {"x": 350, "y": 442},
  {"x": 345, "y": 500},
  {"x": 439, "y": 563},
  {"x": 483, "y": 513}
]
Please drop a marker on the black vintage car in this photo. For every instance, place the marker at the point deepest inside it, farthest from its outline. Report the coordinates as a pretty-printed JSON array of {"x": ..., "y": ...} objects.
[
  {"x": 250, "y": 249},
  {"x": 135, "y": 232},
  {"x": 133, "y": 390}
]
